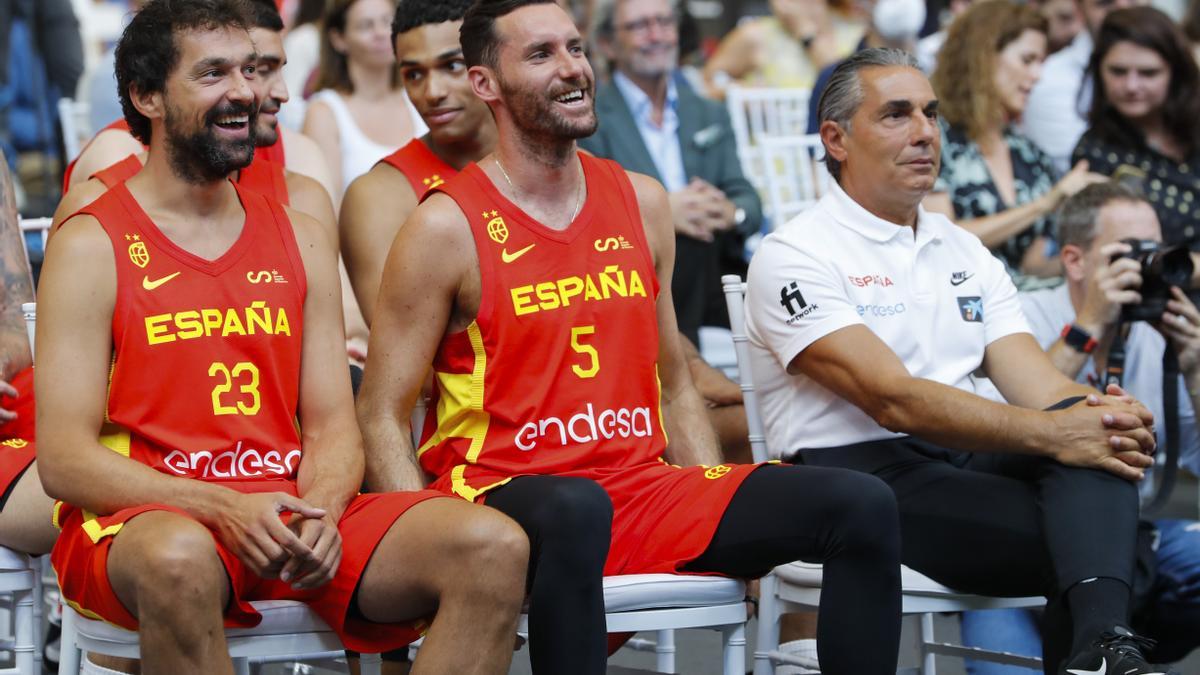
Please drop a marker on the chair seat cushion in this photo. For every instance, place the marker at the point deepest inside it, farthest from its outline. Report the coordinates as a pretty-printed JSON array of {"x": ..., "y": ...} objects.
[
  {"x": 280, "y": 617},
  {"x": 911, "y": 581},
  {"x": 631, "y": 592}
]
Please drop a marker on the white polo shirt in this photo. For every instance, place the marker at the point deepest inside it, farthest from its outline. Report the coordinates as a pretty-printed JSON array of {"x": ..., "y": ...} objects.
[{"x": 936, "y": 299}]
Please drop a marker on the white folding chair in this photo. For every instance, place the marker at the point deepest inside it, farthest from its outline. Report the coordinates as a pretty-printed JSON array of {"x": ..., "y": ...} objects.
[
  {"x": 758, "y": 115},
  {"x": 794, "y": 177},
  {"x": 797, "y": 586},
  {"x": 73, "y": 115},
  {"x": 40, "y": 225}
]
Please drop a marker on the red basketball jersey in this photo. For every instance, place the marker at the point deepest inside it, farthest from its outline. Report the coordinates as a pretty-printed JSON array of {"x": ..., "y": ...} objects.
[
  {"x": 266, "y": 178},
  {"x": 558, "y": 372},
  {"x": 273, "y": 153},
  {"x": 119, "y": 172},
  {"x": 423, "y": 169},
  {"x": 206, "y": 362},
  {"x": 119, "y": 125}
]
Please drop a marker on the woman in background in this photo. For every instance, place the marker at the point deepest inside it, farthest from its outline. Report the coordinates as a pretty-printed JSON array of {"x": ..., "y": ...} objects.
[
  {"x": 994, "y": 181},
  {"x": 1144, "y": 125},
  {"x": 360, "y": 113}
]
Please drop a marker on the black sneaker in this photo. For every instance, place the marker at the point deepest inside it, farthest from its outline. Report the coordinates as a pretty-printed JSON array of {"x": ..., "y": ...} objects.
[{"x": 1116, "y": 653}]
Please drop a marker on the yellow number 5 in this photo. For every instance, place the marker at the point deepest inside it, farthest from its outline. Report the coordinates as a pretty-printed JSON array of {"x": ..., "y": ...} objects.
[
  {"x": 587, "y": 350},
  {"x": 218, "y": 369}
]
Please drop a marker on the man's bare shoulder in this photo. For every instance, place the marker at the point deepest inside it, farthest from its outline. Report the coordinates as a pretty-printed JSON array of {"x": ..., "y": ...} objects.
[
  {"x": 303, "y": 186},
  {"x": 107, "y": 148},
  {"x": 310, "y": 234},
  {"x": 383, "y": 182},
  {"x": 76, "y": 198},
  {"x": 81, "y": 239}
]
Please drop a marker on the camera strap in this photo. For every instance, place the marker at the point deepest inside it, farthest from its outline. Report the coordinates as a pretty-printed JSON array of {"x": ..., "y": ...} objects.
[
  {"x": 1114, "y": 369},
  {"x": 1170, "y": 464}
]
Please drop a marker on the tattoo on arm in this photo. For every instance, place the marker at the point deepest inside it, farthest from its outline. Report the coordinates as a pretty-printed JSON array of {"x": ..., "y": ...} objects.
[{"x": 16, "y": 282}]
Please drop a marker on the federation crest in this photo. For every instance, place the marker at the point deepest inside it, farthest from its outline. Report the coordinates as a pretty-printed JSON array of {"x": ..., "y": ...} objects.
[
  {"x": 717, "y": 471},
  {"x": 433, "y": 182},
  {"x": 138, "y": 254},
  {"x": 16, "y": 443},
  {"x": 496, "y": 229}
]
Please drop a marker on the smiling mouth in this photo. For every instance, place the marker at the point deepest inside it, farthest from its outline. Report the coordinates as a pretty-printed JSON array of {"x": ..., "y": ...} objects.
[
  {"x": 232, "y": 122},
  {"x": 570, "y": 97}
]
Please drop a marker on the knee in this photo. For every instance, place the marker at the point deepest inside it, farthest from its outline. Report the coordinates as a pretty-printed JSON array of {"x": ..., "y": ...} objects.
[
  {"x": 496, "y": 551},
  {"x": 867, "y": 510},
  {"x": 177, "y": 567},
  {"x": 575, "y": 510}
]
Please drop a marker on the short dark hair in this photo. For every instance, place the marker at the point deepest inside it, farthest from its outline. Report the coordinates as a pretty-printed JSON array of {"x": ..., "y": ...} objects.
[
  {"x": 1078, "y": 213},
  {"x": 148, "y": 50},
  {"x": 264, "y": 14},
  {"x": 412, "y": 14},
  {"x": 478, "y": 32}
]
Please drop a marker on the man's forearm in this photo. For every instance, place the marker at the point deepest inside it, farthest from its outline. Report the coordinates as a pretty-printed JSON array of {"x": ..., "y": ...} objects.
[
  {"x": 391, "y": 459},
  {"x": 331, "y": 470},
  {"x": 692, "y": 440},
  {"x": 1067, "y": 360},
  {"x": 16, "y": 285}
]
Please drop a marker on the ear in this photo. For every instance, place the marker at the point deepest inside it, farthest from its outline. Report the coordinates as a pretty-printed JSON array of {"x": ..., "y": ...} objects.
[
  {"x": 834, "y": 138},
  {"x": 150, "y": 105},
  {"x": 483, "y": 83},
  {"x": 1073, "y": 263},
  {"x": 338, "y": 42}
]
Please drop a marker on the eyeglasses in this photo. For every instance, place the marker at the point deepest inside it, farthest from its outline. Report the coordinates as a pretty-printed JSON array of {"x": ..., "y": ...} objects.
[{"x": 662, "y": 22}]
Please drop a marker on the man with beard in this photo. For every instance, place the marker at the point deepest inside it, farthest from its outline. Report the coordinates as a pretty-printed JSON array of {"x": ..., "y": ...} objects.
[
  {"x": 536, "y": 285},
  {"x": 266, "y": 174},
  {"x": 461, "y": 130},
  {"x": 177, "y": 293}
]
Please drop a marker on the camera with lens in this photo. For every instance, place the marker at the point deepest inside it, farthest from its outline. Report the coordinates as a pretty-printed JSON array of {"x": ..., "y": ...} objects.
[{"x": 1162, "y": 267}]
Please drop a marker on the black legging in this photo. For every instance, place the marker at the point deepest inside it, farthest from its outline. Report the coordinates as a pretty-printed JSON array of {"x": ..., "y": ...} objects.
[
  {"x": 779, "y": 514},
  {"x": 1003, "y": 524}
]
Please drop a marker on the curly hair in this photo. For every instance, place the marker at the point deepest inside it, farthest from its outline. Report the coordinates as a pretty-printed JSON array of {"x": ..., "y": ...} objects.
[
  {"x": 1149, "y": 28},
  {"x": 412, "y": 14},
  {"x": 966, "y": 71},
  {"x": 149, "y": 50}
]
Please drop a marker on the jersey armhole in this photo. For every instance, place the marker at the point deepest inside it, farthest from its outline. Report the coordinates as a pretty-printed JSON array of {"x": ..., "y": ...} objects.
[
  {"x": 629, "y": 197},
  {"x": 487, "y": 298},
  {"x": 287, "y": 234}
]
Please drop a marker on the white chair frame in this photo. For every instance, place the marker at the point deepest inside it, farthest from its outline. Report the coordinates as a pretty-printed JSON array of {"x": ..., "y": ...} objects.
[
  {"x": 794, "y": 176},
  {"x": 73, "y": 115},
  {"x": 41, "y": 225},
  {"x": 797, "y": 586},
  {"x": 760, "y": 114}
]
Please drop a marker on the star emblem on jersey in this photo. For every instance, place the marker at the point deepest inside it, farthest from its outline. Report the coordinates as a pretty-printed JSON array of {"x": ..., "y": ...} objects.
[
  {"x": 971, "y": 308},
  {"x": 151, "y": 285},
  {"x": 433, "y": 181},
  {"x": 510, "y": 257},
  {"x": 138, "y": 254},
  {"x": 496, "y": 229}
]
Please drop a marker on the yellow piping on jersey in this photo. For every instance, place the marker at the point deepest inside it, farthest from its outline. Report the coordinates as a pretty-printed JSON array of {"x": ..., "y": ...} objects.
[
  {"x": 460, "y": 413},
  {"x": 661, "y": 424}
]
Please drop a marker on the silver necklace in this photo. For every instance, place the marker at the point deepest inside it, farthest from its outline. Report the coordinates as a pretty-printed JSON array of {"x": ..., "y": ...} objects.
[{"x": 578, "y": 192}]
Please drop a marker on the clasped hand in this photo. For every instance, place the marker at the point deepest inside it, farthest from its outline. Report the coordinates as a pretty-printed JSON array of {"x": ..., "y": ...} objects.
[{"x": 305, "y": 551}]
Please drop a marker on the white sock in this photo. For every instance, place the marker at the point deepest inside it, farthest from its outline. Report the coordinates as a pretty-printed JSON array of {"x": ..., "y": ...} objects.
[{"x": 806, "y": 648}]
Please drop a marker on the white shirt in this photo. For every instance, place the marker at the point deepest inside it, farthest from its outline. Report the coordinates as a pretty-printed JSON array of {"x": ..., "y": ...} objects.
[
  {"x": 937, "y": 300},
  {"x": 662, "y": 141},
  {"x": 1050, "y": 309},
  {"x": 1056, "y": 114},
  {"x": 359, "y": 152}
]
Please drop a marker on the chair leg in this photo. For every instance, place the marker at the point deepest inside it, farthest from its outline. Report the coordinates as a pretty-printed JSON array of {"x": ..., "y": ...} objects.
[
  {"x": 23, "y": 646},
  {"x": 928, "y": 658},
  {"x": 768, "y": 625},
  {"x": 241, "y": 666},
  {"x": 734, "y": 649},
  {"x": 370, "y": 664},
  {"x": 39, "y": 605},
  {"x": 664, "y": 651},
  {"x": 68, "y": 658}
]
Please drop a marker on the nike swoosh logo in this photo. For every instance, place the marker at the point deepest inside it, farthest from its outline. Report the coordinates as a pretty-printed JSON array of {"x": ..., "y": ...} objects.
[
  {"x": 509, "y": 257},
  {"x": 1099, "y": 671},
  {"x": 958, "y": 282},
  {"x": 151, "y": 285}
]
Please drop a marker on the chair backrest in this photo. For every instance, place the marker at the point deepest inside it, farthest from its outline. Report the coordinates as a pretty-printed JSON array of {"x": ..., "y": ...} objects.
[
  {"x": 735, "y": 292},
  {"x": 758, "y": 115},
  {"x": 41, "y": 225},
  {"x": 75, "y": 125},
  {"x": 794, "y": 176},
  {"x": 29, "y": 309}
]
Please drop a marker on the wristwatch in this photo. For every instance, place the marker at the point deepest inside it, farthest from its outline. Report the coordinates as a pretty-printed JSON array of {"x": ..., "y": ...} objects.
[{"x": 1078, "y": 339}]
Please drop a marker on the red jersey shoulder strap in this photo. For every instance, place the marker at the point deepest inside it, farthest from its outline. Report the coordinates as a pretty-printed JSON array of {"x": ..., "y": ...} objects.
[
  {"x": 120, "y": 172},
  {"x": 272, "y": 152},
  {"x": 617, "y": 179},
  {"x": 118, "y": 125},
  {"x": 424, "y": 170},
  {"x": 263, "y": 209}
]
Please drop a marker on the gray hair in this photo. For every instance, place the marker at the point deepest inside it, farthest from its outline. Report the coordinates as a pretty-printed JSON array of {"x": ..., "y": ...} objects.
[
  {"x": 1078, "y": 213},
  {"x": 843, "y": 94}
]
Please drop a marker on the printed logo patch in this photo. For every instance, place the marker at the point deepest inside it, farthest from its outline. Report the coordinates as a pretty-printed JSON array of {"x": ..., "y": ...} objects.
[
  {"x": 138, "y": 254},
  {"x": 971, "y": 308},
  {"x": 793, "y": 301},
  {"x": 717, "y": 471},
  {"x": 959, "y": 278},
  {"x": 496, "y": 229}
]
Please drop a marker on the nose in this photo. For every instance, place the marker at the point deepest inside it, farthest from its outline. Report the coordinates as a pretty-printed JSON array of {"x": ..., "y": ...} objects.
[
  {"x": 925, "y": 129},
  {"x": 570, "y": 66},
  {"x": 435, "y": 87},
  {"x": 241, "y": 91},
  {"x": 1036, "y": 71},
  {"x": 279, "y": 89}
]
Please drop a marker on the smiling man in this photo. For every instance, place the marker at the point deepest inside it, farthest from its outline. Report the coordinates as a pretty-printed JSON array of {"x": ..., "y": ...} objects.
[
  {"x": 869, "y": 320},
  {"x": 196, "y": 412},
  {"x": 461, "y": 131},
  {"x": 536, "y": 286}
]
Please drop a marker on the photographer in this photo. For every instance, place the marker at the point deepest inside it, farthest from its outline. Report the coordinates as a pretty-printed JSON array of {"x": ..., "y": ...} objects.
[{"x": 1078, "y": 323}]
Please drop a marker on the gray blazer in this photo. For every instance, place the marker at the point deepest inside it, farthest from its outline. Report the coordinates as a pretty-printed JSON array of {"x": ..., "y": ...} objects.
[{"x": 706, "y": 142}]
